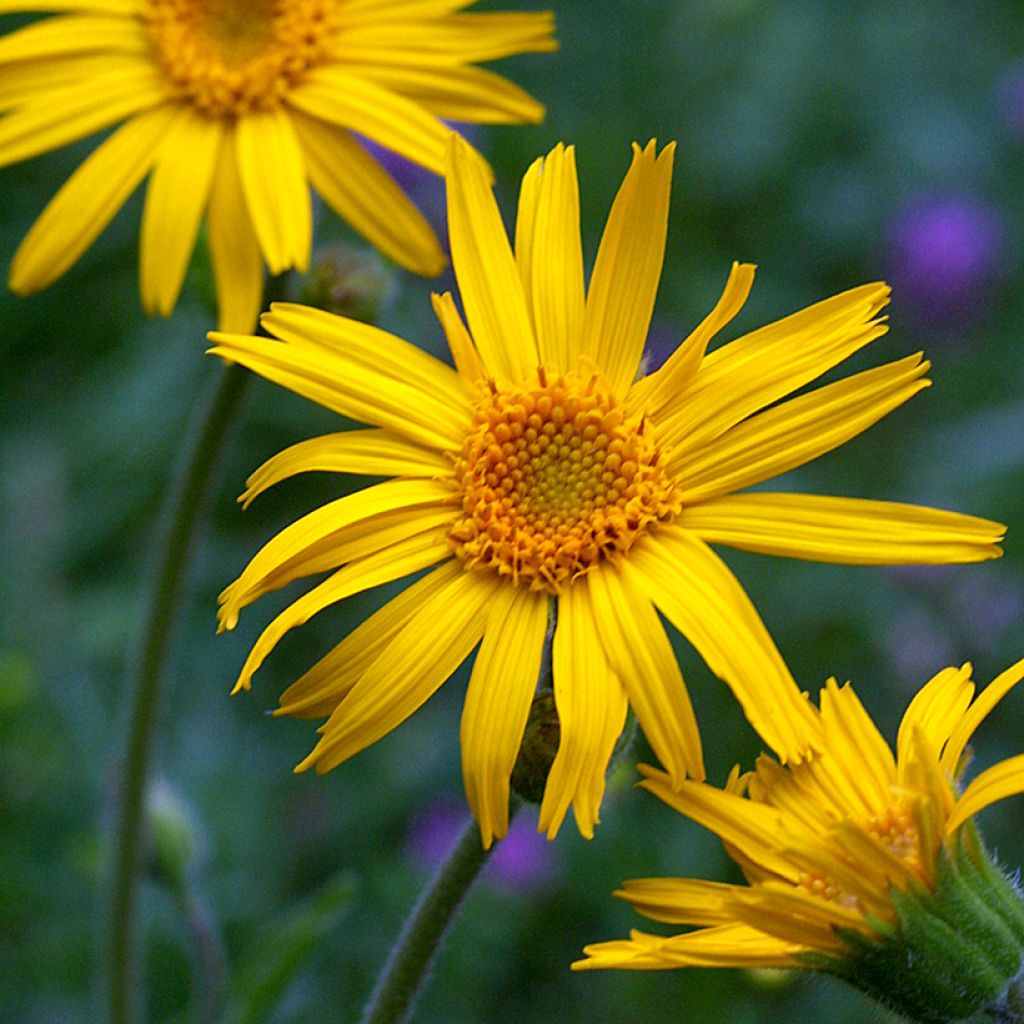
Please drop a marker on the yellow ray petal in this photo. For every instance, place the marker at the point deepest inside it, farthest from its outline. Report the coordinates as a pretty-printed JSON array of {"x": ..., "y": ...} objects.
[
  {"x": 369, "y": 452},
  {"x": 679, "y": 900},
  {"x": 641, "y": 656},
  {"x": 375, "y": 350},
  {"x": 312, "y": 528},
  {"x": 624, "y": 282},
  {"x": 935, "y": 710},
  {"x": 652, "y": 393},
  {"x": 62, "y": 116},
  {"x": 700, "y": 596},
  {"x": 317, "y": 692},
  {"x": 550, "y": 257},
  {"x": 88, "y": 200},
  {"x": 100, "y": 6},
  {"x": 758, "y": 369},
  {"x": 853, "y": 531},
  {"x": 273, "y": 176},
  {"x": 464, "y": 353},
  {"x": 27, "y": 80},
  {"x": 363, "y": 194},
  {"x": 498, "y": 702},
  {"x": 71, "y": 35},
  {"x": 175, "y": 200},
  {"x": 390, "y": 563},
  {"x": 435, "y": 641},
  {"x": 1000, "y": 781},
  {"x": 332, "y": 94},
  {"x": 794, "y": 433},
  {"x": 977, "y": 713},
  {"x": 349, "y": 389},
  {"x": 789, "y": 915},
  {"x": 591, "y": 707},
  {"x": 485, "y": 268}
]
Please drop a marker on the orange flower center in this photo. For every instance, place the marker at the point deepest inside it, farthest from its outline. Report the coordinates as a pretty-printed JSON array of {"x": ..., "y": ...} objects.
[
  {"x": 230, "y": 57},
  {"x": 897, "y": 830},
  {"x": 556, "y": 479}
]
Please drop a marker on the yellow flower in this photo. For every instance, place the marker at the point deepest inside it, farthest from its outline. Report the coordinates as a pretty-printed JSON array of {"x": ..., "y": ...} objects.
[
  {"x": 853, "y": 858},
  {"x": 234, "y": 108},
  {"x": 539, "y": 471}
]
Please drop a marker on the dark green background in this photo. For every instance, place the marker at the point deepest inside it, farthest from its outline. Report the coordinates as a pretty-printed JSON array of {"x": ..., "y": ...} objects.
[{"x": 805, "y": 129}]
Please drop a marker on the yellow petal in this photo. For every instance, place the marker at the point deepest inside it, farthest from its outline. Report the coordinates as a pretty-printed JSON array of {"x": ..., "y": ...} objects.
[
  {"x": 71, "y": 35},
  {"x": 795, "y": 432},
  {"x": 679, "y": 900},
  {"x": 175, "y": 200},
  {"x": 936, "y": 709},
  {"x": 318, "y": 691},
  {"x": 498, "y": 701},
  {"x": 29, "y": 79},
  {"x": 435, "y": 641},
  {"x": 998, "y": 782},
  {"x": 485, "y": 268},
  {"x": 390, "y": 563},
  {"x": 464, "y": 353},
  {"x": 362, "y": 193},
  {"x": 369, "y": 452},
  {"x": 591, "y": 707},
  {"x": 641, "y": 656},
  {"x": 88, "y": 200},
  {"x": 851, "y": 531},
  {"x": 234, "y": 247},
  {"x": 700, "y": 596},
  {"x": 624, "y": 282}
]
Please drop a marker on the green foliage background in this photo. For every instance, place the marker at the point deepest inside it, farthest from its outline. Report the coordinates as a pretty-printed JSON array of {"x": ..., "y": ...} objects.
[{"x": 804, "y": 128}]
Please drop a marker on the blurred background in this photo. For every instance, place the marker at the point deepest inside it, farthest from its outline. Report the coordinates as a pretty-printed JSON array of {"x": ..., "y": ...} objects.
[{"x": 832, "y": 144}]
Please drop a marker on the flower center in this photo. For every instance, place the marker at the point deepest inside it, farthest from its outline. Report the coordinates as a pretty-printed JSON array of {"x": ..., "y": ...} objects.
[
  {"x": 897, "y": 830},
  {"x": 229, "y": 57},
  {"x": 554, "y": 480}
]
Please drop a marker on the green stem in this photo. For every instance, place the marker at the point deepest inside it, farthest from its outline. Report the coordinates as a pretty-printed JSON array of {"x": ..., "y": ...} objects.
[
  {"x": 186, "y": 502},
  {"x": 398, "y": 987}
]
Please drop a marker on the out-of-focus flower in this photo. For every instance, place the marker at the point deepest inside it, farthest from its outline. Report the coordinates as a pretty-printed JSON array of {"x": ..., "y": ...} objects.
[
  {"x": 945, "y": 254},
  {"x": 522, "y": 860},
  {"x": 540, "y": 470},
  {"x": 234, "y": 108},
  {"x": 1009, "y": 97},
  {"x": 858, "y": 863}
]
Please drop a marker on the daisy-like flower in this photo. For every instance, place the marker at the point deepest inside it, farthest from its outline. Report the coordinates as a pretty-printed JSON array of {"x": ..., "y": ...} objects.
[
  {"x": 858, "y": 863},
  {"x": 539, "y": 471},
  {"x": 234, "y": 108}
]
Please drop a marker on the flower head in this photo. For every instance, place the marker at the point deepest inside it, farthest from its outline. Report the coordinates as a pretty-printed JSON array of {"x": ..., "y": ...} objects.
[
  {"x": 234, "y": 108},
  {"x": 538, "y": 472},
  {"x": 858, "y": 862}
]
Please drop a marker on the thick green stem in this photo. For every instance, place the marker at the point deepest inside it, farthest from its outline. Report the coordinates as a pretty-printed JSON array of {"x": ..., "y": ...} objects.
[
  {"x": 187, "y": 501},
  {"x": 398, "y": 987}
]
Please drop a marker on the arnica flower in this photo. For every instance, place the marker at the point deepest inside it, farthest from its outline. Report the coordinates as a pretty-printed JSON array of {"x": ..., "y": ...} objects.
[
  {"x": 234, "y": 108},
  {"x": 858, "y": 863},
  {"x": 538, "y": 471}
]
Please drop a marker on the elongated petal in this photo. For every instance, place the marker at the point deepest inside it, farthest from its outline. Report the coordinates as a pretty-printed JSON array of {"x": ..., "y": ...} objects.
[
  {"x": 791, "y": 434},
  {"x": 73, "y": 34},
  {"x": 435, "y": 641},
  {"x": 362, "y": 193},
  {"x": 318, "y": 691},
  {"x": 592, "y": 709},
  {"x": 28, "y": 79},
  {"x": 935, "y": 710},
  {"x": 852, "y": 531},
  {"x": 88, "y": 201},
  {"x": 304, "y": 534},
  {"x": 101, "y": 6},
  {"x": 62, "y": 116},
  {"x": 332, "y": 94},
  {"x": 234, "y": 247},
  {"x": 628, "y": 267},
  {"x": 498, "y": 701},
  {"x": 700, "y": 596},
  {"x": 273, "y": 175},
  {"x": 550, "y": 257},
  {"x": 753, "y": 372},
  {"x": 175, "y": 200},
  {"x": 369, "y": 452},
  {"x": 391, "y": 563},
  {"x": 977, "y": 713},
  {"x": 652, "y": 393},
  {"x": 489, "y": 282},
  {"x": 463, "y": 350},
  {"x": 641, "y": 656},
  {"x": 998, "y": 782},
  {"x": 679, "y": 900}
]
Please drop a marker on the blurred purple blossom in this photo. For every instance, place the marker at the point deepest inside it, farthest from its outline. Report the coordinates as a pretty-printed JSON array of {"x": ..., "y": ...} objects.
[
  {"x": 946, "y": 254},
  {"x": 524, "y": 859},
  {"x": 1009, "y": 96}
]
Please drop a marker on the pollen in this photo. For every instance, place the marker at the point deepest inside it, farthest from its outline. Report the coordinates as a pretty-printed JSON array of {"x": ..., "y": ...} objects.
[
  {"x": 555, "y": 480},
  {"x": 896, "y": 829},
  {"x": 230, "y": 57}
]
